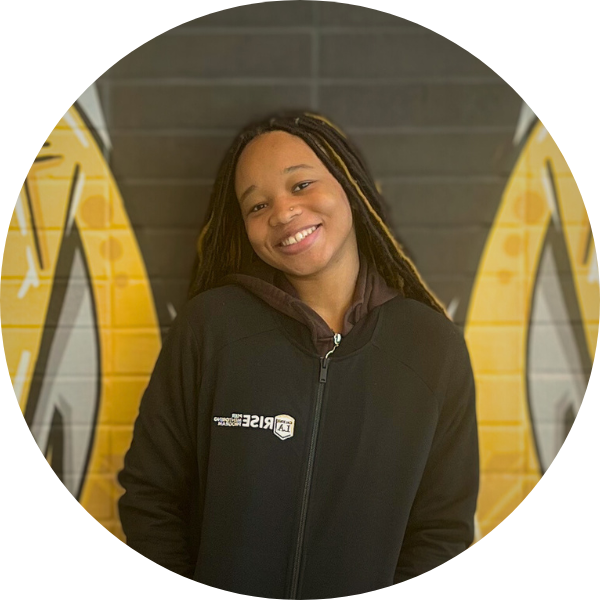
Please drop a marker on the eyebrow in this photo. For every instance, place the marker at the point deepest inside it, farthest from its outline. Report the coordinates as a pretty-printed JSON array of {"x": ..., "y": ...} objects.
[
  {"x": 285, "y": 171},
  {"x": 295, "y": 168},
  {"x": 246, "y": 193}
]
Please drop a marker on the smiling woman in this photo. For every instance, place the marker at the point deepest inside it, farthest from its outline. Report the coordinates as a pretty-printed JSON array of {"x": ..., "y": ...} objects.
[
  {"x": 306, "y": 319},
  {"x": 298, "y": 220}
]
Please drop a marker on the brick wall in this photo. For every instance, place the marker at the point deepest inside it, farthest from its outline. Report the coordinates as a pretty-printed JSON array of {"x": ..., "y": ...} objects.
[
  {"x": 435, "y": 124},
  {"x": 492, "y": 218}
]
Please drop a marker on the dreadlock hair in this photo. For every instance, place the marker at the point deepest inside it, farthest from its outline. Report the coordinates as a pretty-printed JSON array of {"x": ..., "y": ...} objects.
[{"x": 223, "y": 246}]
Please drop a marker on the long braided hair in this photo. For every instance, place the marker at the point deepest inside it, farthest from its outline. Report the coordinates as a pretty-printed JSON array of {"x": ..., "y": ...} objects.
[{"x": 223, "y": 246}]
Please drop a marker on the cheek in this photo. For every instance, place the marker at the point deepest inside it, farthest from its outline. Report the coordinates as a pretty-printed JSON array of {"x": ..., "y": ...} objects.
[
  {"x": 347, "y": 228},
  {"x": 340, "y": 203},
  {"x": 344, "y": 213},
  {"x": 253, "y": 231},
  {"x": 348, "y": 212},
  {"x": 250, "y": 232}
]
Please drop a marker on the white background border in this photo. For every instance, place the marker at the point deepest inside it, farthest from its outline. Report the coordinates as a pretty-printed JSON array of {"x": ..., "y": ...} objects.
[{"x": 52, "y": 51}]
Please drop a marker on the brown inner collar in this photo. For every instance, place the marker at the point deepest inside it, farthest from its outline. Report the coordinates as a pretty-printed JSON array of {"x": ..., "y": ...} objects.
[{"x": 273, "y": 287}]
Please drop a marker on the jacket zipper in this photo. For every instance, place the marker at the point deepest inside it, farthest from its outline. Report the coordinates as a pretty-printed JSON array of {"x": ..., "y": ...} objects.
[{"x": 324, "y": 360}]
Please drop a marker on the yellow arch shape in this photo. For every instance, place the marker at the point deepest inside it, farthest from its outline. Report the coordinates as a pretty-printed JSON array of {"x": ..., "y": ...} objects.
[
  {"x": 541, "y": 188},
  {"x": 128, "y": 331}
]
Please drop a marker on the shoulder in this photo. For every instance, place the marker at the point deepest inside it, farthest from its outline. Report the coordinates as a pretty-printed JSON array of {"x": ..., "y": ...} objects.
[
  {"x": 217, "y": 301},
  {"x": 416, "y": 322},
  {"x": 228, "y": 312},
  {"x": 426, "y": 341}
]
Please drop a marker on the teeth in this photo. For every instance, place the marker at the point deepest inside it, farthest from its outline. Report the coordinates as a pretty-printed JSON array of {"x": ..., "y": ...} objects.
[{"x": 294, "y": 239}]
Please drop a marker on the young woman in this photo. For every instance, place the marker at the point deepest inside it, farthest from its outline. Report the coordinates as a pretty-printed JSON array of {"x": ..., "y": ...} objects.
[{"x": 309, "y": 430}]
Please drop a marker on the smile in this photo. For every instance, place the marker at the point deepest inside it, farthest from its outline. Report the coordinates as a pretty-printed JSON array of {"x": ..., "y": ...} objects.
[{"x": 298, "y": 237}]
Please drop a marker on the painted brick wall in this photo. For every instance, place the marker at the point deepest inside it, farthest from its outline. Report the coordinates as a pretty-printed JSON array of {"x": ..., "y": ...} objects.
[
  {"x": 435, "y": 124},
  {"x": 479, "y": 195}
]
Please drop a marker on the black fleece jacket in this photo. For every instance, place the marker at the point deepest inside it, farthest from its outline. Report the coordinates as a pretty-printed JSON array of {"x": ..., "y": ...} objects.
[{"x": 261, "y": 468}]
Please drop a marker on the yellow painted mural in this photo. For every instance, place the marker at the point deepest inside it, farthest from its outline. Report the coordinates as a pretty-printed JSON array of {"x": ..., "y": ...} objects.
[
  {"x": 78, "y": 319},
  {"x": 81, "y": 333},
  {"x": 540, "y": 194}
]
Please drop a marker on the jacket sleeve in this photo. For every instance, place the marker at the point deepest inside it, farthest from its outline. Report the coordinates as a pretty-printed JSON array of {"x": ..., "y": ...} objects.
[
  {"x": 441, "y": 521},
  {"x": 160, "y": 472}
]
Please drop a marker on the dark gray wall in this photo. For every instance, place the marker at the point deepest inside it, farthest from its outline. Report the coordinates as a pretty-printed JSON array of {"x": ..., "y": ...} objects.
[{"x": 434, "y": 123}]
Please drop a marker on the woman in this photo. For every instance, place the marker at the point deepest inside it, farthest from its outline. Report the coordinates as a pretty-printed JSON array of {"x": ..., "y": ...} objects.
[{"x": 309, "y": 429}]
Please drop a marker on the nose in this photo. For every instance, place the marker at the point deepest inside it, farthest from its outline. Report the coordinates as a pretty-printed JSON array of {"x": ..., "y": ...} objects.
[{"x": 284, "y": 209}]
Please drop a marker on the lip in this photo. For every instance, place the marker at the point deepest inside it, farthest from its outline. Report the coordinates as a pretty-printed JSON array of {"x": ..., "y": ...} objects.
[{"x": 303, "y": 244}]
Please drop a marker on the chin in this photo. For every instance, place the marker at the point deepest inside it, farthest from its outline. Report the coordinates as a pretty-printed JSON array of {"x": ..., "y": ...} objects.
[
  {"x": 302, "y": 270},
  {"x": 305, "y": 264},
  {"x": 299, "y": 272}
]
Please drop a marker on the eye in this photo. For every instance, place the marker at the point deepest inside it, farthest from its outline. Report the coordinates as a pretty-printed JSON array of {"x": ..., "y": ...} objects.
[
  {"x": 301, "y": 186},
  {"x": 257, "y": 207}
]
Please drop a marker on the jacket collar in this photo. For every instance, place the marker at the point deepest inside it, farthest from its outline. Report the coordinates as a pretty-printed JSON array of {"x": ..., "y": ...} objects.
[{"x": 271, "y": 286}]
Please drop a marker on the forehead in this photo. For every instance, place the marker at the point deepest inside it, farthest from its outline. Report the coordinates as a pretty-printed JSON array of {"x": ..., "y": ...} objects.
[{"x": 272, "y": 152}]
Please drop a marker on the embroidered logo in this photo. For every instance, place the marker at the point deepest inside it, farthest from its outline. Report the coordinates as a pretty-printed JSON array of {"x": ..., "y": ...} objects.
[
  {"x": 281, "y": 425},
  {"x": 284, "y": 426}
]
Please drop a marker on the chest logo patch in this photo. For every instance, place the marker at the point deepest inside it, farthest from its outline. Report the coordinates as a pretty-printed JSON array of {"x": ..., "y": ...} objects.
[
  {"x": 284, "y": 426},
  {"x": 281, "y": 425}
]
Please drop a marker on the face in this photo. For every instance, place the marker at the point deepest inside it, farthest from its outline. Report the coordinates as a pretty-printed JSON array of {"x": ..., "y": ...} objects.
[{"x": 297, "y": 215}]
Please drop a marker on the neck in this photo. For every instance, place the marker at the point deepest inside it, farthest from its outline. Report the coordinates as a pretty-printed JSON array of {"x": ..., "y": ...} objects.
[{"x": 329, "y": 293}]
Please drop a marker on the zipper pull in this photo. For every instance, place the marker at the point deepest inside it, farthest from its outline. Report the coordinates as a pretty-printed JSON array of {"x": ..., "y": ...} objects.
[
  {"x": 323, "y": 370},
  {"x": 337, "y": 338}
]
